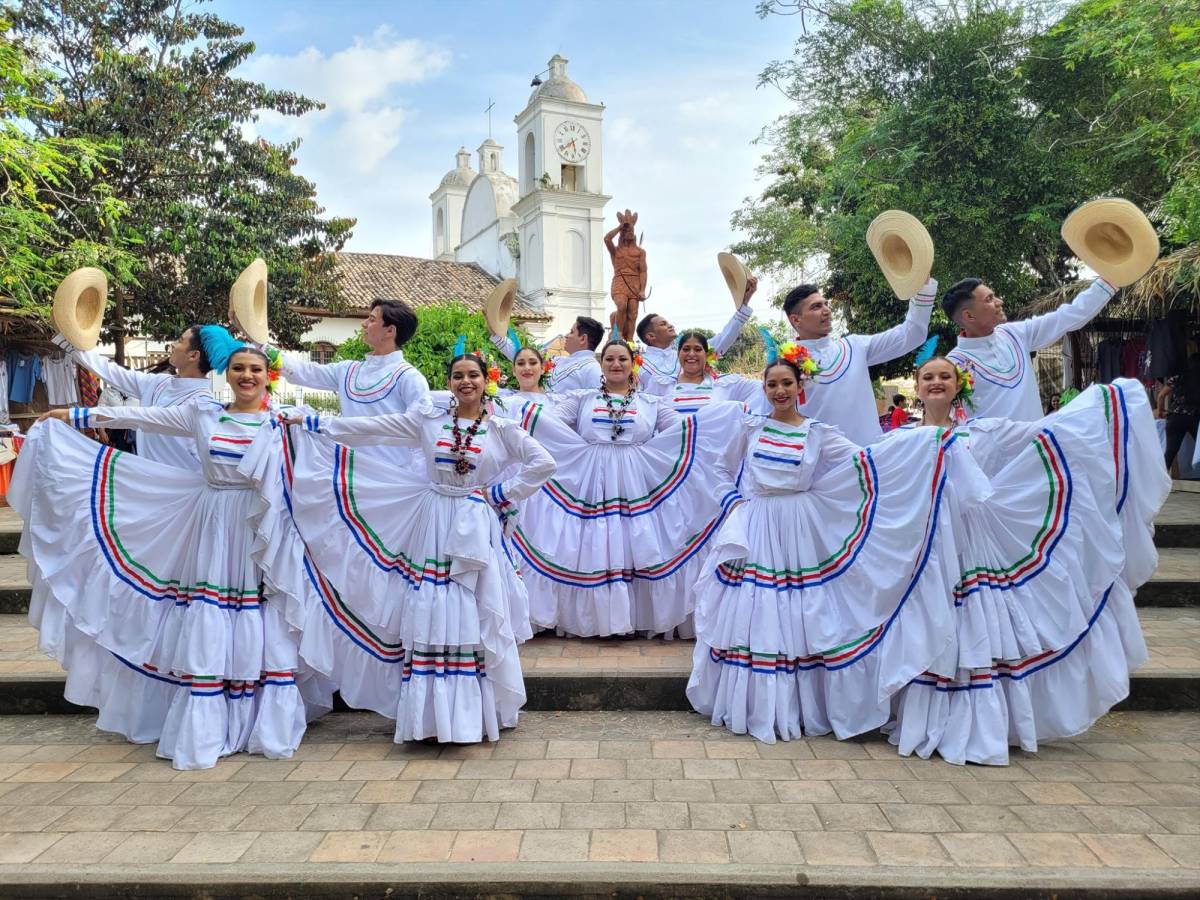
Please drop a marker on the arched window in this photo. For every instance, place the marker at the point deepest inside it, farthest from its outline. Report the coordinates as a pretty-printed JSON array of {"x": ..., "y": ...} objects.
[
  {"x": 322, "y": 352},
  {"x": 530, "y": 168},
  {"x": 439, "y": 233}
]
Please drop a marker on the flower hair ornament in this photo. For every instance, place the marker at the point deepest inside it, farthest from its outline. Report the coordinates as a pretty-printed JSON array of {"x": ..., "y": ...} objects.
[
  {"x": 492, "y": 372},
  {"x": 547, "y": 362},
  {"x": 274, "y": 373},
  {"x": 794, "y": 353},
  {"x": 964, "y": 395},
  {"x": 710, "y": 362}
]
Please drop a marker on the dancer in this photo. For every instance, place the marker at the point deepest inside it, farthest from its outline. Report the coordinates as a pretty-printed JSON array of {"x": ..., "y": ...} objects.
[
  {"x": 698, "y": 383},
  {"x": 605, "y": 546},
  {"x": 1052, "y": 537},
  {"x": 661, "y": 360},
  {"x": 383, "y": 383},
  {"x": 844, "y": 396},
  {"x": 826, "y": 588},
  {"x": 579, "y": 370},
  {"x": 189, "y": 382},
  {"x": 532, "y": 369},
  {"x": 414, "y": 618},
  {"x": 146, "y": 585},
  {"x": 997, "y": 351}
]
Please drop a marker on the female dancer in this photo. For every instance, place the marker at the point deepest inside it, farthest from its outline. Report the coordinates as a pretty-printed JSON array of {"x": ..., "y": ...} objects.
[
  {"x": 414, "y": 619},
  {"x": 698, "y": 383},
  {"x": 531, "y": 368},
  {"x": 147, "y": 586},
  {"x": 826, "y": 589},
  {"x": 605, "y": 545},
  {"x": 1050, "y": 546}
]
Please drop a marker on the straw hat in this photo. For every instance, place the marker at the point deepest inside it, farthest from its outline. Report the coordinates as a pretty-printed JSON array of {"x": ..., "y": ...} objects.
[
  {"x": 79, "y": 306},
  {"x": 1114, "y": 238},
  {"x": 248, "y": 301},
  {"x": 497, "y": 309},
  {"x": 903, "y": 249},
  {"x": 736, "y": 276}
]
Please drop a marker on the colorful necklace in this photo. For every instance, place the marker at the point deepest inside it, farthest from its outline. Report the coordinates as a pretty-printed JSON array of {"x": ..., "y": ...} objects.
[
  {"x": 616, "y": 410},
  {"x": 462, "y": 448}
]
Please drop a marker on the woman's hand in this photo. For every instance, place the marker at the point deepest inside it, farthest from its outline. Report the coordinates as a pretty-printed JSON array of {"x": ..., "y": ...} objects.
[
  {"x": 60, "y": 414},
  {"x": 293, "y": 420}
]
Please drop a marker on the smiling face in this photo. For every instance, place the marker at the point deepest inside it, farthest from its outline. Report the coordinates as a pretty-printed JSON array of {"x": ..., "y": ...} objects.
[
  {"x": 813, "y": 318},
  {"x": 937, "y": 382},
  {"x": 467, "y": 382},
  {"x": 692, "y": 358},
  {"x": 528, "y": 369},
  {"x": 782, "y": 388},
  {"x": 247, "y": 376},
  {"x": 616, "y": 364},
  {"x": 380, "y": 338},
  {"x": 661, "y": 332},
  {"x": 981, "y": 314}
]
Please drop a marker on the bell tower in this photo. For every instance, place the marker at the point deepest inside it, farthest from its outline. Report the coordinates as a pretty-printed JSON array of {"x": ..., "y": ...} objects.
[{"x": 560, "y": 213}]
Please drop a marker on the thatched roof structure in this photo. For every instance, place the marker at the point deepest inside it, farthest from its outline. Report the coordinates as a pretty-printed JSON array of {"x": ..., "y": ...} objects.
[
  {"x": 1172, "y": 283},
  {"x": 19, "y": 323}
]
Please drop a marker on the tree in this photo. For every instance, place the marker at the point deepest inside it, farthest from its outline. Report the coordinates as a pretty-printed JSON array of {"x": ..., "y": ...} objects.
[
  {"x": 438, "y": 329},
  {"x": 156, "y": 79},
  {"x": 50, "y": 189},
  {"x": 921, "y": 105}
]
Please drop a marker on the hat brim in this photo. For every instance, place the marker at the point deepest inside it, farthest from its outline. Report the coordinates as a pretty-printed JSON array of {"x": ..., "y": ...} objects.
[
  {"x": 903, "y": 250},
  {"x": 78, "y": 310},
  {"x": 497, "y": 309},
  {"x": 248, "y": 301},
  {"x": 1113, "y": 238},
  {"x": 736, "y": 275}
]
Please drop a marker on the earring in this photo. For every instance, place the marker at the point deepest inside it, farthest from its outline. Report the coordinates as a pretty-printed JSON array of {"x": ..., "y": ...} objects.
[
  {"x": 453, "y": 404},
  {"x": 603, "y": 384}
]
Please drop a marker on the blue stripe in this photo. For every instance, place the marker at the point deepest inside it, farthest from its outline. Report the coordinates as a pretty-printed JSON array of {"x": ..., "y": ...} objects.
[
  {"x": 226, "y": 453},
  {"x": 1124, "y": 451},
  {"x": 782, "y": 459},
  {"x": 166, "y": 679}
]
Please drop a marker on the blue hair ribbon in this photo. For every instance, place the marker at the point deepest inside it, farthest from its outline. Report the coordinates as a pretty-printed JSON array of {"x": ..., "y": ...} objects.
[
  {"x": 460, "y": 346},
  {"x": 769, "y": 343},
  {"x": 218, "y": 346},
  {"x": 925, "y": 354}
]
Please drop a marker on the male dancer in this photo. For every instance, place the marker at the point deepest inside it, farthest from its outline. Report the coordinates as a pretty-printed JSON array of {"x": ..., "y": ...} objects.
[
  {"x": 660, "y": 356},
  {"x": 842, "y": 394},
  {"x": 190, "y": 382},
  {"x": 578, "y": 369},
  {"x": 997, "y": 351}
]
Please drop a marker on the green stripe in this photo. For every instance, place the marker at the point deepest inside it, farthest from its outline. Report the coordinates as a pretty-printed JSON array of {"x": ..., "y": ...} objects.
[
  {"x": 792, "y": 434},
  {"x": 240, "y": 422}
]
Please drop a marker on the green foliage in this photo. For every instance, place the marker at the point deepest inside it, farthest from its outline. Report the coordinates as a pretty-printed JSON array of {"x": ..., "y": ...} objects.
[
  {"x": 156, "y": 78},
  {"x": 958, "y": 113},
  {"x": 55, "y": 205},
  {"x": 431, "y": 348}
]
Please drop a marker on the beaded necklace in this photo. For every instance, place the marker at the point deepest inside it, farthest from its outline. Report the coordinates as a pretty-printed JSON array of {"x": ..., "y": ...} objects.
[
  {"x": 462, "y": 448},
  {"x": 616, "y": 411}
]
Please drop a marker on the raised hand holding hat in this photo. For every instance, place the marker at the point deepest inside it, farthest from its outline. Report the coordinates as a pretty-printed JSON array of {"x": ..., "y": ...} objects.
[
  {"x": 78, "y": 310},
  {"x": 497, "y": 309},
  {"x": 248, "y": 301},
  {"x": 1113, "y": 238},
  {"x": 903, "y": 249}
]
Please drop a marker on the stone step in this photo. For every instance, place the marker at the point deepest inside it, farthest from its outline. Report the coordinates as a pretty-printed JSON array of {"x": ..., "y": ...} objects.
[
  {"x": 592, "y": 674},
  {"x": 592, "y": 805}
]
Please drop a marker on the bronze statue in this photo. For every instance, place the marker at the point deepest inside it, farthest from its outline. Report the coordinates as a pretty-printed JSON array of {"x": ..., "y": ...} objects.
[{"x": 629, "y": 274}]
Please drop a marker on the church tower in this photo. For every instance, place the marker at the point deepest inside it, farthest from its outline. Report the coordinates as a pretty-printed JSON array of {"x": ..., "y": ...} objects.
[
  {"x": 560, "y": 213},
  {"x": 448, "y": 201}
]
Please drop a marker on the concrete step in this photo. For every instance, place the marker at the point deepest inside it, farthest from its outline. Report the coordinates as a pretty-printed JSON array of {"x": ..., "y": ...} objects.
[
  {"x": 592, "y": 805},
  {"x": 589, "y": 675}
]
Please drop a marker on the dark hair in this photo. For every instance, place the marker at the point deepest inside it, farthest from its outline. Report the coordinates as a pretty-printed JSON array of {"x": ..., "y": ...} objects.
[
  {"x": 958, "y": 295},
  {"x": 645, "y": 325},
  {"x": 780, "y": 361},
  {"x": 592, "y": 331},
  {"x": 532, "y": 349},
  {"x": 399, "y": 315},
  {"x": 251, "y": 349},
  {"x": 475, "y": 358},
  {"x": 697, "y": 336},
  {"x": 619, "y": 342},
  {"x": 932, "y": 359},
  {"x": 194, "y": 343},
  {"x": 898, "y": 399},
  {"x": 798, "y": 295}
]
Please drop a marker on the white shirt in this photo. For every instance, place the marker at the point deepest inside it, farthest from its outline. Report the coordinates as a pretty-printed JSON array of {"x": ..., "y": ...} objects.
[
  {"x": 841, "y": 393},
  {"x": 1005, "y": 384},
  {"x": 576, "y": 372},
  {"x": 660, "y": 365},
  {"x": 153, "y": 389},
  {"x": 62, "y": 386},
  {"x": 380, "y": 384}
]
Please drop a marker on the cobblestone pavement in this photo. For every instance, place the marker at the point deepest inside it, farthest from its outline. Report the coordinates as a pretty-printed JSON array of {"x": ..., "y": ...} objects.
[
  {"x": 1172, "y": 634},
  {"x": 616, "y": 788}
]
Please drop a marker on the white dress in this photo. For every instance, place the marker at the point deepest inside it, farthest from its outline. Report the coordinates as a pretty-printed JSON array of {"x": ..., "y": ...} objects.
[
  {"x": 147, "y": 590},
  {"x": 605, "y": 546},
  {"x": 828, "y": 589},
  {"x": 689, "y": 398},
  {"x": 1053, "y": 537},
  {"x": 413, "y": 619},
  {"x": 660, "y": 365}
]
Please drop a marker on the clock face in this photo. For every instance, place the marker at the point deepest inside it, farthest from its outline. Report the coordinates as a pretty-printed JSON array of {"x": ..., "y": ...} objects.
[{"x": 572, "y": 141}]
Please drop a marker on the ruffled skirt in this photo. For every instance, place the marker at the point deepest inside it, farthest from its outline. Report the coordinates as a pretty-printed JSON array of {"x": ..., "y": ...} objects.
[
  {"x": 816, "y": 607},
  {"x": 414, "y": 594},
  {"x": 146, "y": 591}
]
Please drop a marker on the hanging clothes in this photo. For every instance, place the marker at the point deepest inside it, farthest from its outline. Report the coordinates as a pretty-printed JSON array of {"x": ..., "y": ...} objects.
[
  {"x": 62, "y": 387},
  {"x": 23, "y": 371}
]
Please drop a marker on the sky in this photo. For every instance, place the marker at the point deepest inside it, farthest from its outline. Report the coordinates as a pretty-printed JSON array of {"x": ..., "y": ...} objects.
[{"x": 406, "y": 83}]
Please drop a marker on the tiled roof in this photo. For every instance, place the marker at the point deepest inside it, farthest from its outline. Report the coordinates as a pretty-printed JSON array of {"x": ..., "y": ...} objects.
[{"x": 419, "y": 282}]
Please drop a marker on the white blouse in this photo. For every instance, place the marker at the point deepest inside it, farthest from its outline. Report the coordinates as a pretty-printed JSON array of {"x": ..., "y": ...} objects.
[
  {"x": 780, "y": 458},
  {"x": 643, "y": 417}
]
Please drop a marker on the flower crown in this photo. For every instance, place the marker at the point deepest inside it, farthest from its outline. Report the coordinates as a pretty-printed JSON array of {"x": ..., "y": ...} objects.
[
  {"x": 495, "y": 377},
  {"x": 274, "y": 373},
  {"x": 798, "y": 356}
]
